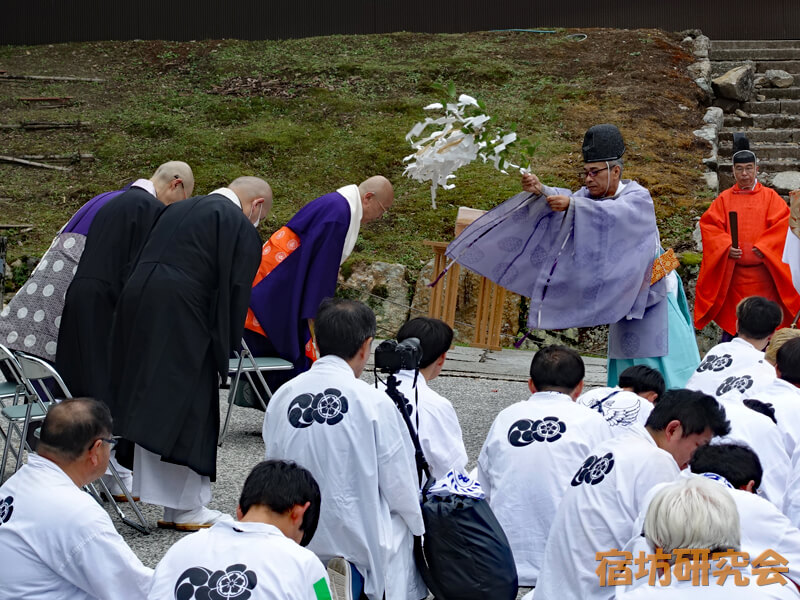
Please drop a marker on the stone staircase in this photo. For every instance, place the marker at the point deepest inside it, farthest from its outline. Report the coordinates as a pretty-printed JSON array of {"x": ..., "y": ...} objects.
[{"x": 771, "y": 119}]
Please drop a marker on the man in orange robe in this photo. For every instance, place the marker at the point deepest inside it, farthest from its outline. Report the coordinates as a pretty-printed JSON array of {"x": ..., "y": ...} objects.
[{"x": 755, "y": 268}]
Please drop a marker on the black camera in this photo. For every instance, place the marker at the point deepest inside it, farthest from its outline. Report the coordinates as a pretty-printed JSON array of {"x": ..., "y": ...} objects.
[{"x": 392, "y": 356}]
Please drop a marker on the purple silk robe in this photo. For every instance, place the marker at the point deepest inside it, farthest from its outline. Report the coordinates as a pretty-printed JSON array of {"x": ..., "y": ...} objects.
[
  {"x": 587, "y": 266},
  {"x": 31, "y": 320},
  {"x": 291, "y": 293}
]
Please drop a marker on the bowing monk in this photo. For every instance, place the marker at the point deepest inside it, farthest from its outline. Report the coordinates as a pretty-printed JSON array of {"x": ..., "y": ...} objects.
[{"x": 752, "y": 267}]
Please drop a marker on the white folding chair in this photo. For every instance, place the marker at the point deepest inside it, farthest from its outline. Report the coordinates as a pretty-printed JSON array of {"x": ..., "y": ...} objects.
[
  {"x": 244, "y": 363},
  {"x": 38, "y": 371}
]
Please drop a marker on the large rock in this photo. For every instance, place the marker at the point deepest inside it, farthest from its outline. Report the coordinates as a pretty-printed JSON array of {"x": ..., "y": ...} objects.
[
  {"x": 700, "y": 70},
  {"x": 701, "y": 46},
  {"x": 779, "y": 78},
  {"x": 712, "y": 181},
  {"x": 714, "y": 116},
  {"x": 786, "y": 180},
  {"x": 383, "y": 287},
  {"x": 736, "y": 84}
]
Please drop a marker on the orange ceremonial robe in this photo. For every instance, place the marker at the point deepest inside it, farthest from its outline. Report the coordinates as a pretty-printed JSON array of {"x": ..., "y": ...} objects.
[{"x": 723, "y": 281}]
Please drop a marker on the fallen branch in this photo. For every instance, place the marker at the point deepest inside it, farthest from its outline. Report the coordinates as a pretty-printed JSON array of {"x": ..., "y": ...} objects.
[
  {"x": 29, "y": 163},
  {"x": 52, "y": 78},
  {"x": 26, "y": 226},
  {"x": 30, "y": 125},
  {"x": 72, "y": 158}
]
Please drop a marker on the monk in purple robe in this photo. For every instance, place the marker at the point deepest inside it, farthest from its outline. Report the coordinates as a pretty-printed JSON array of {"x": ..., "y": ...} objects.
[{"x": 299, "y": 268}]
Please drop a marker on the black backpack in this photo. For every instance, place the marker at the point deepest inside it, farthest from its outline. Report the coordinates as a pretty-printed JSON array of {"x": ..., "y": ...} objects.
[{"x": 464, "y": 554}]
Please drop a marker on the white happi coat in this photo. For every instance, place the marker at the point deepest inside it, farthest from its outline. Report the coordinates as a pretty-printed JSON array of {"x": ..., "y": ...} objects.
[
  {"x": 679, "y": 590},
  {"x": 353, "y": 440},
  {"x": 763, "y": 527},
  {"x": 598, "y": 511},
  {"x": 57, "y": 543},
  {"x": 766, "y": 440},
  {"x": 619, "y": 407},
  {"x": 785, "y": 399},
  {"x": 731, "y": 369},
  {"x": 533, "y": 449},
  {"x": 437, "y": 425},
  {"x": 233, "y": 558},
  {"x": 791, "y": 501}
]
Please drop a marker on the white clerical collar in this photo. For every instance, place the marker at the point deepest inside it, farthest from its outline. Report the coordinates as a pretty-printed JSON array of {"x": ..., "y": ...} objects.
[
  {"x": 229, "y": 194},
  {"x": 409, "y": 374},
  {"x": 40, "y": 462},
  {"x": 620, "y": 186},
  {"x": 353, "y": 197},
  {"x": 333, "y": 360},
  {"x": 549, "y": 396},
  {"x": 745, "y": 344},
  {"x": 146, "y": 185}
]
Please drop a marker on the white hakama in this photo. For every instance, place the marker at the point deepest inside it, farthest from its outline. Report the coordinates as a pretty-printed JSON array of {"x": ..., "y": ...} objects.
[{"x": 165, "y": 484}]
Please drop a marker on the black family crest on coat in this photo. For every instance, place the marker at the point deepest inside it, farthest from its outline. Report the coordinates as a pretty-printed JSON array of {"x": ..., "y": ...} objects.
[
  {"x": 328, "y": 407},
  {"x": 6, "y": 509},
  {"x": 199, "y": 583},
  {"x": 741, "y": 384},
  {"x": 715, "y": 363},
  {"x": 526, "y": 431},
  {"x": 593, "y": 470}
]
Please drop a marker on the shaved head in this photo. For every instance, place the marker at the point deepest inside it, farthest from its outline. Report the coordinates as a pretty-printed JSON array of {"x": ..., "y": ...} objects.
[
  {"x": 174, "y": 181},
  {"x": 255, "y": 194},
  {"x": 377, "y": 197}
]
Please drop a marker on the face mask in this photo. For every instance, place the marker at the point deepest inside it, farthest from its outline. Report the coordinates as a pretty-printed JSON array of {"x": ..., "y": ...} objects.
[{"x": 250, "y": 216}]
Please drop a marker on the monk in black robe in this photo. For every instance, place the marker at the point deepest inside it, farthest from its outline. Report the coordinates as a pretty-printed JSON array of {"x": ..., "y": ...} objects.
[
  {"x": 177, "y": 320},
  {"x": 113, "y": 242}
]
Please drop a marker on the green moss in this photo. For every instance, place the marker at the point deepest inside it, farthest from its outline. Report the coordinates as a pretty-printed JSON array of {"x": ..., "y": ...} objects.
[{"x": 690, "y": 259}]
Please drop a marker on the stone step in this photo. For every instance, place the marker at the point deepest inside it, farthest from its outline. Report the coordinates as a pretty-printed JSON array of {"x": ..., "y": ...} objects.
[
  {"x": 764, "y": 121},
  {"x": 771, "y": 93},
  {"x": 764, "y": 151},
  {"x": 719, "y": 67},
  {"x": 776, "y": 106},
  {"x": 765, "y": 176},
  {"x": 765, "y": 54},
  {"x": 761, "y": 135},
  {"x": 730, "y": 44}
]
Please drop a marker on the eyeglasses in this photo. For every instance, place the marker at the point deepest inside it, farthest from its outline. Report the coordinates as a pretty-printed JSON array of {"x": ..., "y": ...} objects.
[
  {"x": 381, "y": 205},
  {"x": 112, "y": 441},
  {"x": 591, "y": 173},
  {"x": 751, "y": 168}
]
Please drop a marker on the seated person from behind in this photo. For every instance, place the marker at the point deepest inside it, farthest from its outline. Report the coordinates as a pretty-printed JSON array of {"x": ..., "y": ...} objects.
[
  {"x": 434, "y": 415},
  {"x": 631, "y": 401},
  {"x": 696, "y": 513},
  {"x": 261, "y": 552},
  {"x": 56, "y": 541},
  {"x": 533, "y": 449}
]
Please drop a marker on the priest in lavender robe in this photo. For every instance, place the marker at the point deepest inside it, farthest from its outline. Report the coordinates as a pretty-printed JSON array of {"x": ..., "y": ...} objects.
[
  {"x": 299, "y": 268},
  {"x": 586, "y": 259}
]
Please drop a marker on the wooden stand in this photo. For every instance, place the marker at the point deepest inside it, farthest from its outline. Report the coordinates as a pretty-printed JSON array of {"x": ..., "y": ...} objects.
[
  {"x": 489, "y": 317},
  {"x": 444, "y": 295},
  {"x": 446, "y": 288}
]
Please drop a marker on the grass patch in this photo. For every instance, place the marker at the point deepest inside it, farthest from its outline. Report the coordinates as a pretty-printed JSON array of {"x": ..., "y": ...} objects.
[{"x": 312, "y": 115}]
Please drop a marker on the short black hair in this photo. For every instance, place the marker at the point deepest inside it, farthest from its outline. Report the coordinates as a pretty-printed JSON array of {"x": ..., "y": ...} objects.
[
  {"x": 757, "y": 317},
  {"x": 73, "y": 425},
  {"x": 342, "y": 326},
  {"x": 641, "y": 378},
  {"x": 735, "y": 462},
  {"x": 434, "y": 335},
  {"x": 787, "y": 361},
  {"x": 765, "y": 408},
  {"x": 280, "y": 485},
  {"x": 695, "y": 411},
  {"x": 557, "y": 368}
]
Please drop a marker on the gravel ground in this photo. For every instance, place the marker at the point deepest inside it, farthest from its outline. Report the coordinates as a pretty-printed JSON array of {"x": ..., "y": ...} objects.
[{"x": 476, "y": 401}]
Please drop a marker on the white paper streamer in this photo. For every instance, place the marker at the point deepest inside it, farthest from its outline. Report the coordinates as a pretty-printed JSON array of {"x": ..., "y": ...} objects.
[{"x": 456, "y": 140}]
